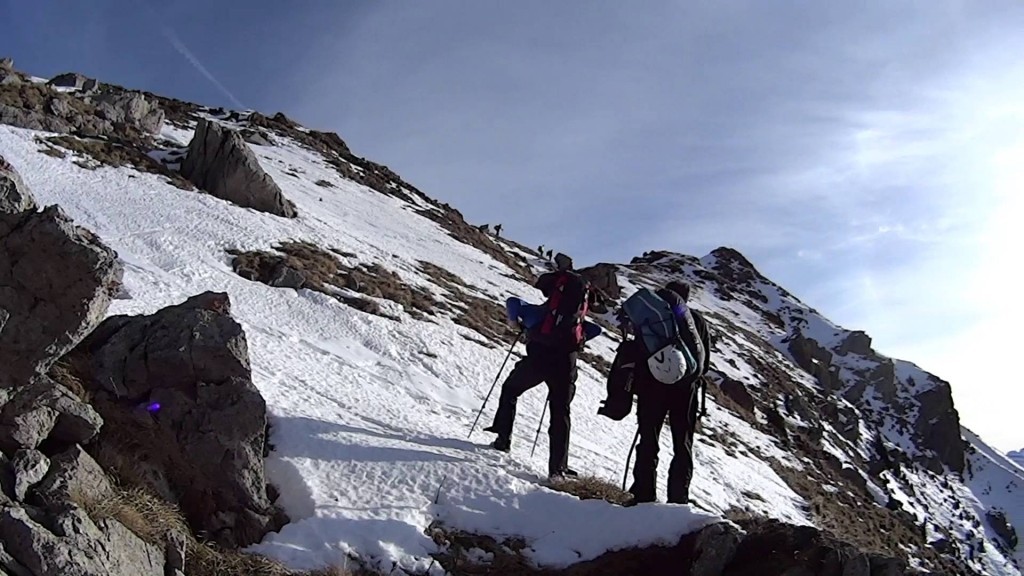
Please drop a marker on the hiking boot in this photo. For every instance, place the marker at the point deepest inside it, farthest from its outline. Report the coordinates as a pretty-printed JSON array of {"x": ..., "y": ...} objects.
[
  {"x": 502, "y": 443},
  {"x": 491, "y": 429},
  {"x": 570, "y": 473}
]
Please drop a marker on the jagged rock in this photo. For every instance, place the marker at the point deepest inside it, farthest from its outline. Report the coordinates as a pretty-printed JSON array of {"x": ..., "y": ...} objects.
[
  {"x": 73, "y": 476},
  {"x": 77, "y": 546},
  {"x": 45, "y": 409},
  {"x": 772, "y": 547},
  {"x": 998, "y": 521},
  {"x": 8, "y": 75},
  {"x": 6, "y": 480},
  {"x": 14, "y": 194},
  {"x": 937, "y": 427},
  {"x": 285, "y": 276},
  {"x": 74, "y": 80},
  {"x": 257, "y": 138},
  {"x": 738, "y": 393},
  {"x": 604, "y": 277},
  {"x": 56, "y": 282},
  {"x": 815, "y": 359},
  {"x": 856, "y": 342},
  {"x": 219, "y": 162},
  {"x": 122, "y": 106},
  {"x": 205, "y": 450},
  {"x": 882, "y": 379},
  {"x": 712, "y": 549},
  {"x": 29, "y": 467}
]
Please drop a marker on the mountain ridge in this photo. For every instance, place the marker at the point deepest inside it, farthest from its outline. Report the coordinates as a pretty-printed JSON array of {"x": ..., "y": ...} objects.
[{"x": 796, "y": 399}]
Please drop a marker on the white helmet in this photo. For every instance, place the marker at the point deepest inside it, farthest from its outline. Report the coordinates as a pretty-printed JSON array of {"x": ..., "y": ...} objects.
[{"x": 668, "y": 365}]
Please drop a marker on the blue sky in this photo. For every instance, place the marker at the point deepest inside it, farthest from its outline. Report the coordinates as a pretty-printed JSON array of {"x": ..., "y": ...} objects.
[{"x": 867, "y": 156}]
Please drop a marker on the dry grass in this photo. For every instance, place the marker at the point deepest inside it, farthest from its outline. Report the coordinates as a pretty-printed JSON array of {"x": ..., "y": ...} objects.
[
  {"x": 591, "y": 488},
  {"x": 67, "y": 374},
  {"x": 108, "y": 153},
  {"x": 483, "y": 315},
  {"x": 324, "y": 272}
]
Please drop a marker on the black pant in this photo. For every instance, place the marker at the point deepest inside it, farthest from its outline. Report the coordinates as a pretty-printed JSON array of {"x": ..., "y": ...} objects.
[
  {"x": 654, "y": 401},
  {"x": 558, "y": 370}
]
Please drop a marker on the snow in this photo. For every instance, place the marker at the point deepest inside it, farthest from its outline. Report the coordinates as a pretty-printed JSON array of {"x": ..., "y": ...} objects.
[{"x": 369, "y": 415}]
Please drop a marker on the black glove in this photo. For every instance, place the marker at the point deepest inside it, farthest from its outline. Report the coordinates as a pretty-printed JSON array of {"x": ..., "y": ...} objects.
[{"x": 615, "y": 410}]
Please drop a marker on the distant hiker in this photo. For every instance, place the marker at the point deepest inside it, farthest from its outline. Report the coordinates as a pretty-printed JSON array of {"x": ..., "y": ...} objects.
[
  {"x": 549, "y": 254},
  {"x": 497, "y": 231},
  {"x": 664, "y": 366},
  {"x": 554, "y": 339},
  {"x": 540, "y": 250}
]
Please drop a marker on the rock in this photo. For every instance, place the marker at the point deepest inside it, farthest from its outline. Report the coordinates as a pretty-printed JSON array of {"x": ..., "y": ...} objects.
[
  {"x": 74, "y": 80},
  {"x": 713, "y": 548},
  {"x": 122, "y": 106},
  {"x": 256, "y": 137},
  {"x": 738, "y": 393},
  {"x": 205, "y": 449},
  {"x": 56, "y": 281},
  {"x": 219, "y": 162},
  {"x": 14, "y": 195},
  {"x": 45, "y": 409},
  {"x": 60, "y": 107},
  {"x": 73, "y": 477},
  {"x": 937, "y": 427},
  {"x": 1003, "y": 528},
  {"x": 77, "y": 546},
  {"x": 285, "y": 276},
  {"x": 815, "y": 359},
  {"x": 772, "y": 547},
  {"x": 7, "y": 63},
  {"x": 29, "y": 468},
  {"x": 856, "y": 342},
  {"x": 6, "y": 480},
  {"x": 605, "y": 278},
  {"x": 882, "y": 379}
]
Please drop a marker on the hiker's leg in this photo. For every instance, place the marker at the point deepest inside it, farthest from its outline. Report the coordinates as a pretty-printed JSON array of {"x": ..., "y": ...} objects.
[
  {"x": 561, "y": 391},
  {"x": 683, "y": 421},
  {"x": 651, "y": 410},
  {"x": 524, "y": 376}
]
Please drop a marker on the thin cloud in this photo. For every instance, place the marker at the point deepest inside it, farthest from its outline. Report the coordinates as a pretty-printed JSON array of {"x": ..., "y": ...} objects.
[{"x": 194, "y": 61}]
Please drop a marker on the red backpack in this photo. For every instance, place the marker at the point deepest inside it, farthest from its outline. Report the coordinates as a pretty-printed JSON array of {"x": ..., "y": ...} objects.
[{"x": 567, "y": 305}]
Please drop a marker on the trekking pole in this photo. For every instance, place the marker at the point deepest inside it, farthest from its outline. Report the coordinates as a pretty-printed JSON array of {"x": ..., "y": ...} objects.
[
  {"x": 540, "y": 424},
  {"x": 625, "y": 475},
  {"x": 496, "y": 378}
]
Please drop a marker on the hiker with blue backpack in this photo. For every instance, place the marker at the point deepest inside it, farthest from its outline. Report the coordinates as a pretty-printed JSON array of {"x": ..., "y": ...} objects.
[
  {"x": 664, "y": 367},
  {"x": 555, "y": 333}
]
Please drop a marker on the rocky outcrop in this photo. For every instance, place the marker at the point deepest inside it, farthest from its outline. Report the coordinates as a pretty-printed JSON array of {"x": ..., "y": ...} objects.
[
  {"x": 74, "y": 80},
  {"x": 737, "y": 392},
  {"x": 815, "y": 359},
  {"x": 189, "y": 364},
  {"x": 937, "y": 428},
  {"x": 998, "y": 521},
  {"x": 219, "y": 162},
  {"x": 46, "y": 411},
  {"x": 132, "y": 108},
  {"x": 14, "y": 195},
  {"x": 856, "y": 342},
  {"x": 56, "y": 281},
  {"x": 604, "y": 277}
]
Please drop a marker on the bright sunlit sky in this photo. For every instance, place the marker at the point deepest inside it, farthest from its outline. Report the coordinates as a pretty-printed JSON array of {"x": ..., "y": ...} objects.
[{"x": 868, "y": 156}]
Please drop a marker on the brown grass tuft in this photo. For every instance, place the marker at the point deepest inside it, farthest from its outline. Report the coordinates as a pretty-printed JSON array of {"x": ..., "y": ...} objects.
[
  {"x": 592, "y": 488},
  {"x": 68, "y": 375},
  {"x": 108, "y": 153}
]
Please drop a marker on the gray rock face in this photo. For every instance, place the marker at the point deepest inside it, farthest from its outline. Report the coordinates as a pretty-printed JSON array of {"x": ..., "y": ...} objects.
[
  {"x": 1004, "y": 529},
  {"x": 77, "y": 546},
  {"x": 130, "y": 108},
  {"x": 45, "y": 409},
  {"x": 713, "y": 548},
  {"x": 816, "y": 360},
  {"x": 285, "y": 276},
  {"x": 56, "y": 281},
  {"x": 856, "y": 342},
  {"x": 73, "y": 476},
  {"x": 191, "y": 359},
  {"x": 937, "y": 427},
  {"x": 74, "y": 80},
  {"x": 29, "y": 467},
  {"x": 738, "y": 393},
  {"x": 14, "y": 195},
  {"x": 219, "y": 162}
]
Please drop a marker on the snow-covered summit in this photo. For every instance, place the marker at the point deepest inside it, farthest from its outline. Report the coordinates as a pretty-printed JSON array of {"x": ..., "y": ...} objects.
[{"x": 374, "y": 326}]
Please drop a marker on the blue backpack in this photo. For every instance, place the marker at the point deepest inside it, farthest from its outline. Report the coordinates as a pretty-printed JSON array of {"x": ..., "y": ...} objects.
[{"x": 657, "y": 326}]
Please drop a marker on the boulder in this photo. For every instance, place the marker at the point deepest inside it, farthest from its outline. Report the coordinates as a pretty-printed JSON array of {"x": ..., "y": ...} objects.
[
  {"x": 175, "y": 389},
  {"x": 219, "y": 162},
  {"x": 29, "y": 467},
  {"x": 73, "y": 476},
  {"x": 74, "y": 80},
  {"x": 738, "y": 393},
  {"x": 132, "y": 108},
  {"x": 46, "y": 410},
  {"x": 56, "y": 282},
  {"x": 1003, "y": 528},
  {"x": 713, "y": 548},
  {"x": 937, "y": 427},
  {"x": 856, "y": 342},
  {"x": 605, "y": 278},
  {"x": 77, "y": 546},
  {"x": 14, "y": 195}
]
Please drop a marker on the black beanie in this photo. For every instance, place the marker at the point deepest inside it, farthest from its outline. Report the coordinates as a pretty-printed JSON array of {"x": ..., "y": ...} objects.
[{"x": 681, "y": 288}]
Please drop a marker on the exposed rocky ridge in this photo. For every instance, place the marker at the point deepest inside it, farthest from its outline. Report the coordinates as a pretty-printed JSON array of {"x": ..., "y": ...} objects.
[
  {"x": 61, "y": 511},
  {"x": 869, "y": 423}
]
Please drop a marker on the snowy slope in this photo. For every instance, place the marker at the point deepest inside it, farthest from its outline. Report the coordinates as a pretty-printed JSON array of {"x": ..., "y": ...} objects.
[{"x": 370, "y": 415}]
